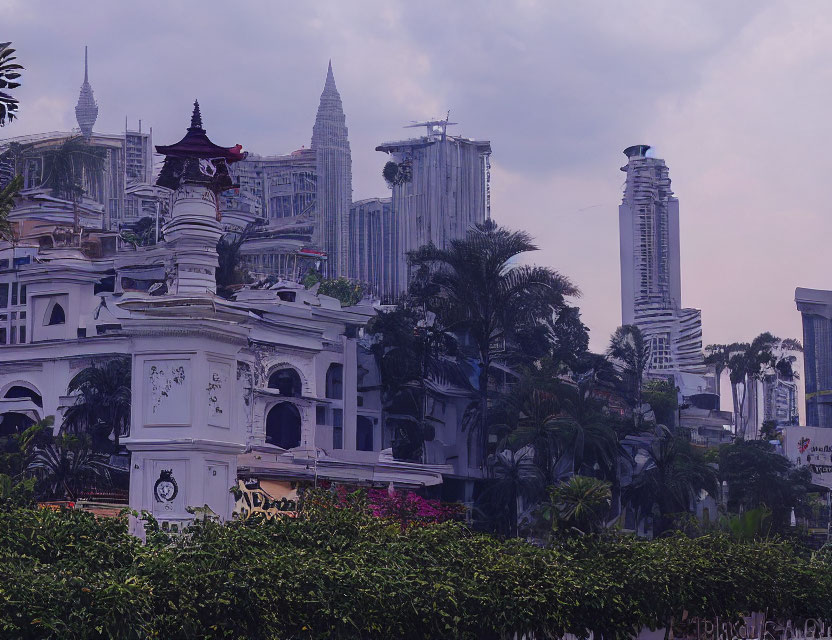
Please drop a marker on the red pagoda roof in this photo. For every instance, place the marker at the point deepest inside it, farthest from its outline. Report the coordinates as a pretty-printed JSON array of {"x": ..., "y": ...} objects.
[{"x": 196, "y": 144}]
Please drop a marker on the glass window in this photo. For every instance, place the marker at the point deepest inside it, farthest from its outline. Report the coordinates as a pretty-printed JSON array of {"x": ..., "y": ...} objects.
[
  {"x": 320, "y": 415},
  {"x": 4, "y": 295},
  {"x": 3, "y": 335},
  {"x": 337, "y": 418},
  {"x": 337, "y": 438},
  {"x": 22, "y": 334},
  {"x": 14, "y": 293},
  {"x": 23, "y": 294},
  {"x": 13, "y": 335}
]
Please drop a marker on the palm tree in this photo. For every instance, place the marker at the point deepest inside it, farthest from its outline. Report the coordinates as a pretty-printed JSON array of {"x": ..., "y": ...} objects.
[
  {"x": 581, "y": 503},
  {"x": 9, "y": 76},
  {"x": 66, "y": 166},
  {"x": 482, "y": 293},
  {"x": 415, "y": 356},
  {"x": 66, "y": 464},
  {"x": 671, "y": 478},
  {"x": 102, "y": 405},
  {"x": 7, "y": 196},
  {"x": 631, "y": 354},
  {"x": 515, "y": 477}
]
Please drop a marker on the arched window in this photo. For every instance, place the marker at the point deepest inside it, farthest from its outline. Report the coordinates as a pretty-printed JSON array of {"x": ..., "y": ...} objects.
[
  {"x": 335, "y": 381},
  {"x": 283, "y": 426},
  {"x": 18, "y": 391},
  {"x": 287, "y": 382},
  {"x": 364, "y": 434},
  {"x": 56, "y": 315}
]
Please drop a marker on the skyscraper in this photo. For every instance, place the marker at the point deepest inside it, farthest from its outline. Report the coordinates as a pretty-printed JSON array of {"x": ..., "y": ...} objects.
[
  {"x": 86, "y": 111},
  {"x": 651, "y": 290},
  {"x": 441, "y": 188},
  {"x": 334, "y": 186},
  {"x": 815, "y": 305}
]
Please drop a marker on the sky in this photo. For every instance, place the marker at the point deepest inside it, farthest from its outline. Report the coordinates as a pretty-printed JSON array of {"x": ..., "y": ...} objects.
[{"x": 735, "y": 96}]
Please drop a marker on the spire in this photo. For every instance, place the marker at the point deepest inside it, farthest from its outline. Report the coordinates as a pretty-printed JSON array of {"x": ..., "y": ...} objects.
[
  {"x": 196, "y": 118},
  {"x": 330, "y": 123},
  {"x": 86, "y": 111},
  {"x": 329, "y": 85}
]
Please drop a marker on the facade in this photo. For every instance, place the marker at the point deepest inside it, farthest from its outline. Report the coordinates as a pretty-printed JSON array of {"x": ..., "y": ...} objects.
[
  {"x": 816, "y": 308},
  {"x": 272, "y": 388},
  {"x": 334, "y": 179},
  {"x": 651, "y": 293},
  {"x": 442, "y": 190},
  {"x": 372, "y": 238},
  {"x": 117, "y": 184}
]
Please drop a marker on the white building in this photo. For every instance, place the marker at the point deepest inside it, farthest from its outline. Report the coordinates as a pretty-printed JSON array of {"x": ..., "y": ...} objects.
[{"x": 651, "y": 289}]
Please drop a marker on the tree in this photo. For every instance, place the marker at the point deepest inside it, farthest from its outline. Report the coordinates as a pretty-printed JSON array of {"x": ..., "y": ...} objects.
[
  {"x": 515, "y": 477},
  {"x": 66, "y": 464},
  {"x": 531, "y": 418},
  {"x": 346, "y": 291},
  {"x": 7, "y": 196},
  {"x": 102, "y": 402},
  {"x": 663, "y": 398},
  {"x": 415, "y": 356},
  {"x": 672, "y": 477},
  {"x": 631, "y": 354},
  {"x": 747, "y": 364},
  {"x": 581, "y": 503},
  {"x": 65, "y": 168},
  {"x": 759, "y": 476},
  {"x": 481, "y": 291},
  {"x": 9, "y": 79}
]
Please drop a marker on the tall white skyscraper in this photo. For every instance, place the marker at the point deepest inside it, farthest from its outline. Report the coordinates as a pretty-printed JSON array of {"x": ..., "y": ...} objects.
[{"x": 651, "y": 289}]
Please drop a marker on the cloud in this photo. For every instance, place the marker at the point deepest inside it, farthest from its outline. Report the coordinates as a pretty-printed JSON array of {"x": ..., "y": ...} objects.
[{"x": 733, "y": 96}]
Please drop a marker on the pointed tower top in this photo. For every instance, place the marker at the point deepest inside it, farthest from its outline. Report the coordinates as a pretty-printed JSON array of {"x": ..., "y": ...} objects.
[
  {"x": 329, "y": 85},
  {"x": 196, "y": 118},
  {"x": 86, "y": 111}
]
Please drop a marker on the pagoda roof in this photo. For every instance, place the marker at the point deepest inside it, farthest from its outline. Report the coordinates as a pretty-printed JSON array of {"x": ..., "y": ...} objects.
[{"x": 196, "y": 144}]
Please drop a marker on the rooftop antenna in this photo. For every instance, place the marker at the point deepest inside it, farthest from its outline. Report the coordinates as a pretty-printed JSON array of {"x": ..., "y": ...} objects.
[{"x": 434, "y": 127}]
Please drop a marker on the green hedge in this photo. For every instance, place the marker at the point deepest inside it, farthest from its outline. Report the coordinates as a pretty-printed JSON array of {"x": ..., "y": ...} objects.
[{"x": 339, "y": 573}]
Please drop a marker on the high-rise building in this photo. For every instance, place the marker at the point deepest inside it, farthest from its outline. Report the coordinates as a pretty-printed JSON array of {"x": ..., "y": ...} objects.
[
  {"x": 815, "y": 306},
  {"x": 372, "y": 243},
  {"x": 334, "y": 179},
  {"x": 441, "y": 188},
  {"x": 651, "y": 291}
]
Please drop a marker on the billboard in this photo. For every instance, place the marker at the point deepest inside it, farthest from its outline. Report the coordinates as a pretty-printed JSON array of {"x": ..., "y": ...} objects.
[{"x": 811, "y": 446}]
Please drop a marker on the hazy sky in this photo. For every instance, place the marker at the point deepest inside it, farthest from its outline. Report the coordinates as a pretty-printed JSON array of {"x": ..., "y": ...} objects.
[{"x": 735, "y": 96}]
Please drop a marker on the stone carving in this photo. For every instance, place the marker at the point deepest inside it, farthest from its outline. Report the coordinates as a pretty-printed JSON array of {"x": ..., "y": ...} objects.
[{"x": 166, "y": 396}]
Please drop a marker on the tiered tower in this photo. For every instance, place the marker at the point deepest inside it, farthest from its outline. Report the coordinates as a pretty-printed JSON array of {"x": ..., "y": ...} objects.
[
  {"x": 197, "y": 170},
  {"x": 651, "y": 290},
  {"x": 86, "y": 111},
  {"x": 334, "y": 169},
  {"x": 185, "y": 429}
]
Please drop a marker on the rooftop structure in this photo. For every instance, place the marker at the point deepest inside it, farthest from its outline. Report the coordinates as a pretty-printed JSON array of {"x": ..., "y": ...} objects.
[{"x": 650, "y": 266}]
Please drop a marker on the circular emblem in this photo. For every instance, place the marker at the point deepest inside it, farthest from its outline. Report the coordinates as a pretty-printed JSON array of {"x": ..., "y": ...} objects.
[{"x": 165, "y": 489}]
